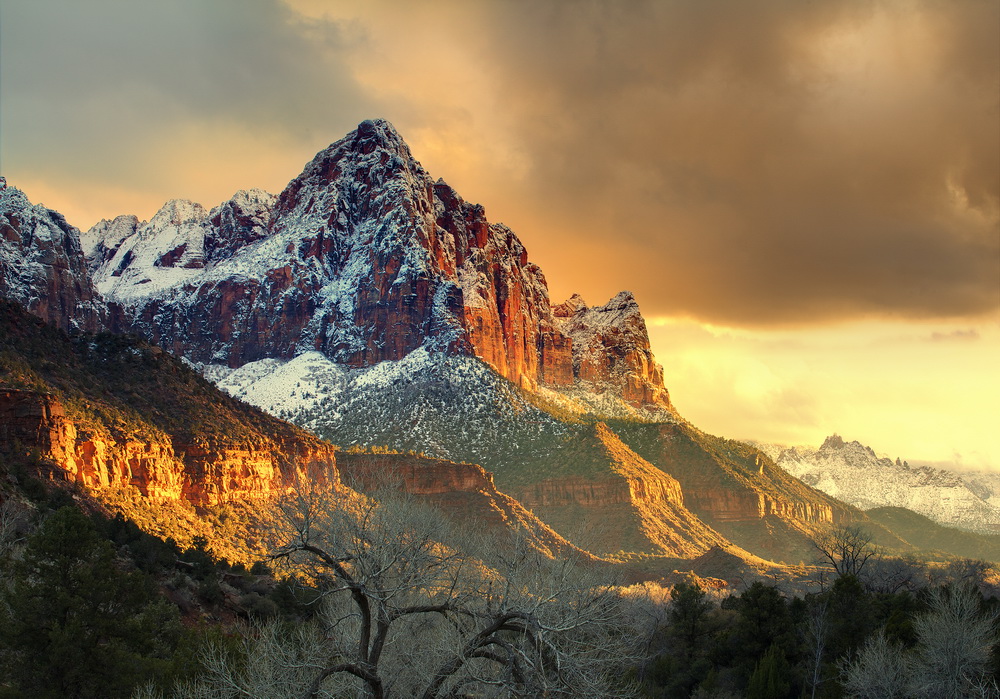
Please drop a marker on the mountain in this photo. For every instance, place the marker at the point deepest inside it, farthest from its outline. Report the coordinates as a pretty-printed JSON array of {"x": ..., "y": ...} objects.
[
  {"x": 145, "y": 434},
  {"x": 42, "y": 265},
  {"x": 375, "y": 307},
  {"x": 363, "y": 258},
  {"x": 853, "y": 473}
]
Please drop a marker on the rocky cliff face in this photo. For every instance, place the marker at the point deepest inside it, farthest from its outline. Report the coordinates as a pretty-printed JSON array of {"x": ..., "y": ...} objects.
[
  {"x": 632, "y": 505},
  {"x": 42, "y": 265},
  {"x": 364, "y": 258},
  {"x": 853, "y": 473},
  {"x": 201, "y": 473},
  {"x": 465, "y": 491},
  {"x": 611, "y": 348}
]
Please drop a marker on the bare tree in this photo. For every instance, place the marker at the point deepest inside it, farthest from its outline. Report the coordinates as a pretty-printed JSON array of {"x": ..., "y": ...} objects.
[
  {"x": 950, "y": 661},
  {"x": 955, "y": 639},
  {"x": 408, "y": 614},
  {"x": 15, "y": 520},
  {"x": 847, "y": 550},
  {"x": 815, "y": 634},
  {"x": 649, "y": 612},
  {"x": 879, "y": 671},
  {"x": 889, "y": 575},
  {"x": 273, "y": 662},
  {"x": 978, "y": 573}
]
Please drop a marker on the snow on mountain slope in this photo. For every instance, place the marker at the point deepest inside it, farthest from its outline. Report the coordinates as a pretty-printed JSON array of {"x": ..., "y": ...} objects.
[
  {"x": 102, "y": 241},
  {"x": 449, "y": 407},
  {"x": 364, "y": 258},
  {"x": 166, "y": 252},
  {"x": 42, "y": 265},
  {"x": 611, "y": 349},
  {"x": 181, "y": 245},
  {"x": 985, "y": 484},
  {"x": 853, "y": 473}
]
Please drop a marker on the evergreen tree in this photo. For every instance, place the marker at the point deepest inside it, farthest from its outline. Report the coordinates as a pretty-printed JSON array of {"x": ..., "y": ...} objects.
[
  {"x": 771, "y": 677},
  {"x": 689, "y": 618},
  {"x": 852, "y": 614},
  {"x": 684, "y": 662},
  {"x": 73, "y": 624},
  {"x": 764, "y": 622}
]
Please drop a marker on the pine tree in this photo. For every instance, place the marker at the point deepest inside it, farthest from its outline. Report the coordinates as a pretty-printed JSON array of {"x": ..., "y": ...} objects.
[
  {"x": 73, "y": 624},
  {"x": 771, "y": 678}
]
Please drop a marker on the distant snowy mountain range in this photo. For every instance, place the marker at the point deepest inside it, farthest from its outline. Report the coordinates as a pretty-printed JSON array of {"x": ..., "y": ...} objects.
[{"x": 854, "y": 473}]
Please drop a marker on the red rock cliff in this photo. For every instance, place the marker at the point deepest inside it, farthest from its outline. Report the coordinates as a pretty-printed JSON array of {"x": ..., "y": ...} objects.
[
  {"x": 42, "y": 265},
  {"x": 364, "y": 258},
  {"x": 169, "y": 468}
]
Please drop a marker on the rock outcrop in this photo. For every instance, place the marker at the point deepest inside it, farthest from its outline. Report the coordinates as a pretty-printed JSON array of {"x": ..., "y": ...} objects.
[
  {"x": 364, "y": 258},
  {"x": 611, "y": 349},
  {"x": 200, "y": 473},
  {"x": 42, "y": 265}
]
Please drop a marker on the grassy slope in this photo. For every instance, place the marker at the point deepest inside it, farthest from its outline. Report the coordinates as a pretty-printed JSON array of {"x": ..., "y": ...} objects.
[
  {"x": 927, "y": 535},
  {"x": 705, "y": 464}
]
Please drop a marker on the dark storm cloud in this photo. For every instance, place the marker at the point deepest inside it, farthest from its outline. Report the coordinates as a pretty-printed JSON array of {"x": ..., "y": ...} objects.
[
  {"x": 760, "y": 163},
  {"x": 90, "y": 84},
  {"x": 774, "y": 162}
]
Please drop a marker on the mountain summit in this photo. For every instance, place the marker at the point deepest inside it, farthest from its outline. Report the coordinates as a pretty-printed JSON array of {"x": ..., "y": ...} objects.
[
  {"x": 42, "y": 266},
  {"x": 364, "y": 258},
  {"x": 375, "y": 307},
  {"x": 854, "y": 473}
]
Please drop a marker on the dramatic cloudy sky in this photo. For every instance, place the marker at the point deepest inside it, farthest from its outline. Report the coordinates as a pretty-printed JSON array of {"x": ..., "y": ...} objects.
[{"x": 803, "y": 195}]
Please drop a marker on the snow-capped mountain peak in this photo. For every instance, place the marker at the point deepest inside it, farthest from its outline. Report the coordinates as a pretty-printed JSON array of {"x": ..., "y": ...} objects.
[
  {"x": 854, "y": 473},
  {"x": 363, "y": 258},
  {"x": 42, "y": 266}
]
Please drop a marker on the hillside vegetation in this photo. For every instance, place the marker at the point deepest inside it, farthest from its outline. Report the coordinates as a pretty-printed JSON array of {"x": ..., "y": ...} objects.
[
  {"x": 927, "y": 535},
  {"x": 126, "y": 386}
]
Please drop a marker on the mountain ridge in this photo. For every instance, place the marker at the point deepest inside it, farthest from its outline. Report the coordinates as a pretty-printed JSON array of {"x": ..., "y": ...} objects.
[
  {"x": 375, "y": 307},
  {"x": 364, "y": 258},
  {"x": 42, "y": 265},
  {"x": 853, "y": 472}
]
